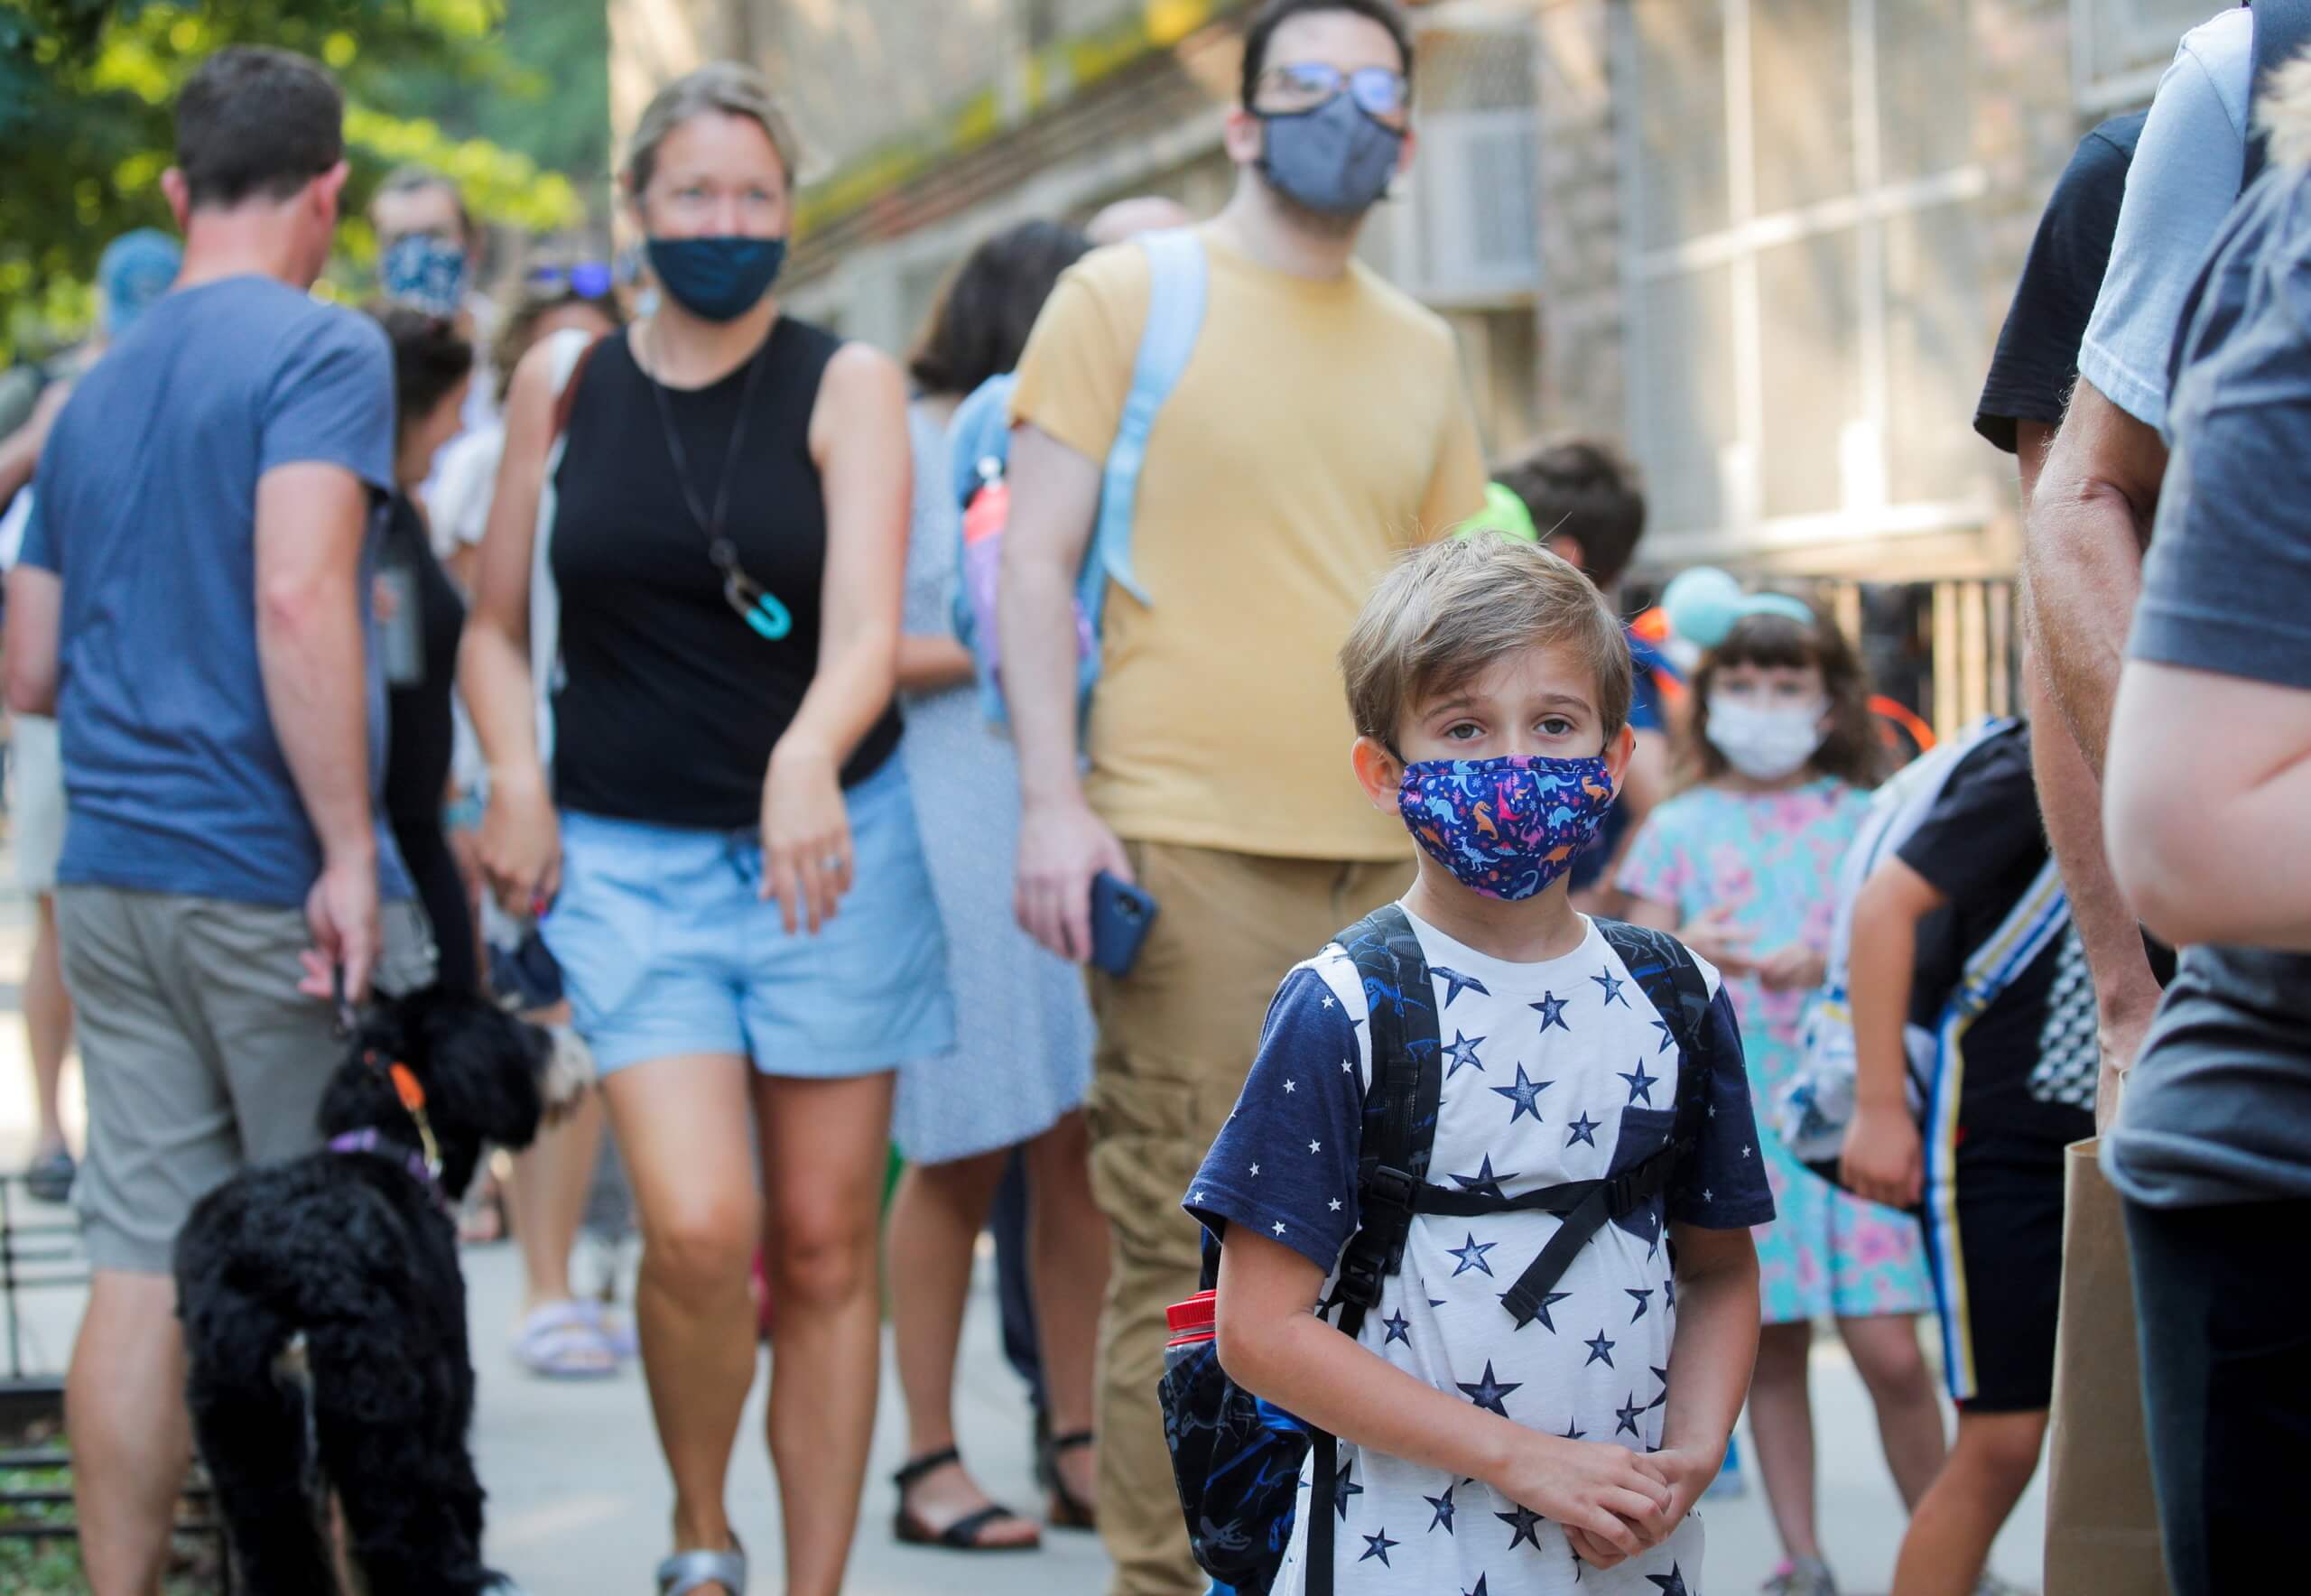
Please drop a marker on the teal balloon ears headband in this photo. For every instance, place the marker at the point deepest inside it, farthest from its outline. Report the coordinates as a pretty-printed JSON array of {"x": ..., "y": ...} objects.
[{"x": 1704, "y": 605}]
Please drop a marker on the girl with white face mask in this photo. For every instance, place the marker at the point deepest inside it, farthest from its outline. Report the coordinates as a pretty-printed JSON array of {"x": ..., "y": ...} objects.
[{"x": 1781, "y": 754}]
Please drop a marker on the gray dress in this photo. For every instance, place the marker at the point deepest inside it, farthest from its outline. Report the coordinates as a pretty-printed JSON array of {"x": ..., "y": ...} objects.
[{"x": 1022, "y": 1026}]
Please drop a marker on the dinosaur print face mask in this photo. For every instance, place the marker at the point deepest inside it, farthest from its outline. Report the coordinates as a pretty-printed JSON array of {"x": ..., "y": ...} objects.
[{"x": 1507, "y": 827}]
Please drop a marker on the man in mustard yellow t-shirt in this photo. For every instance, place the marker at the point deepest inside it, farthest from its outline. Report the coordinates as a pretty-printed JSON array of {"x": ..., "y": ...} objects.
[{"x": 1320, "y": 428}]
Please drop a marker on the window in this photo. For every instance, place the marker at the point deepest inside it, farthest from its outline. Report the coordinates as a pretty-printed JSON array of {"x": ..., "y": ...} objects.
[{"x": 1805, "y": 321}]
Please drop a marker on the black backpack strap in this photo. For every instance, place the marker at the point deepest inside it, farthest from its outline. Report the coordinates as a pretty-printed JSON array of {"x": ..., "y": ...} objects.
[
  {"x": 1670, "y": 979},
  {"x": 1399, "y": 1132},
  {"x": 2282, "y": 28}
]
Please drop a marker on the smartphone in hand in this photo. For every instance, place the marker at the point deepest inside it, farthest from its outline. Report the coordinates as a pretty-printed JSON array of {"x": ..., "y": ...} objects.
[{"x": 1121, "y": 914}]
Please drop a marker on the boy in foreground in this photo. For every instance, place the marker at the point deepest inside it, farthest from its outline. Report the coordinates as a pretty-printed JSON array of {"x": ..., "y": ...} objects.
[{"x": 1483, "y": 1449}]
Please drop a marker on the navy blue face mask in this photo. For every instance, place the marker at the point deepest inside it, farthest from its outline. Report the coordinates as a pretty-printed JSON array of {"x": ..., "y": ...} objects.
[
  {"x": 717, "y": 279},
  {"x": 1335, "y": 159}
]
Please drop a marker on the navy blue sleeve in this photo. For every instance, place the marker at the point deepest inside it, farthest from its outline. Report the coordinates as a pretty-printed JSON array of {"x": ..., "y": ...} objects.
[
  {"x": 1720, "y": 1186},
  {"x": 1284, "y": 1163}
]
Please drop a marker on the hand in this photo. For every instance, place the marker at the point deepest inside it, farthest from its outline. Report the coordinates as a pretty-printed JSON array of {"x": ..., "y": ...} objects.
[
  {"x": 806, "y": 858},
  {"x": 341, "y": 911},
  {"x": 1601, "y": 1492},
  {"x": 1687, "y": 1471},
  {"x": 521, "y": 844},
  {"x": 1717, "y": 938},
  {"x": 1061, "y": 846},
  {"x": 1796, "y": 968},
  {"x": 1884, "y": 1160},
  {"x": 2120, "y": 1039}
]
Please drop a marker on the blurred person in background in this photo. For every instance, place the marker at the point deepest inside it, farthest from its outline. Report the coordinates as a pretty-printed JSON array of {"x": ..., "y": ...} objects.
[
  {"x": 726, "y": 852},
  {"x": 431, "y": 256},
  {"x": 559, "y": 1334},
  {"x": 1781, "y": 754},
  {"x": 421, "y": 617},
  {"x": 1022, "y": 1056},
  {"x": 223, "y": 824},
  {"x": 136, "y": 269},
  {"x": 1320, "y": 427}
]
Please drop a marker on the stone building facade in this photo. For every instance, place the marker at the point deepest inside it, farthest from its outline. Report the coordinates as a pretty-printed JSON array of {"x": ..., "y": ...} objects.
[{"x": 1766, "y": 244}]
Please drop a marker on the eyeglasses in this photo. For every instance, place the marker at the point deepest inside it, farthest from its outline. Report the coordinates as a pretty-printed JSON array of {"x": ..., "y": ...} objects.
[
  {"x": 587, "y": 280},
  {"x": 1381, "y": 93}
]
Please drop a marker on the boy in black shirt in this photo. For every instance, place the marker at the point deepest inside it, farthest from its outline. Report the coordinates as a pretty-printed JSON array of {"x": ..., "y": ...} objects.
[{"x": 1964, "y": 937}]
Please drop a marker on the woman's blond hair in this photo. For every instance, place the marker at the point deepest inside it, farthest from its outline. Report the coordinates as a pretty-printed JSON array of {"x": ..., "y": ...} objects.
[{"x": 726, "y": 88}]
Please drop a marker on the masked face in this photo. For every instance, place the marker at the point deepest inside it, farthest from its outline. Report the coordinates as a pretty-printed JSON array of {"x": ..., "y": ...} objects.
[
  {"x": 1335, "y": 160},
  {"x": 1767, "y": 742},
  {"x": 717, "y": 279},
  {"x": 1508, "y": 827},
  {"x": 424, "y": 271}
]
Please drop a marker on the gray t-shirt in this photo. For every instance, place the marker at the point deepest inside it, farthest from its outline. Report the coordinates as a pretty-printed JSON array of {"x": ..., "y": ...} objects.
[
  {"x": 146, "y": 510},
  {"x": 2219, "y": 1108},
  {"x": 2180, "y": 185}
]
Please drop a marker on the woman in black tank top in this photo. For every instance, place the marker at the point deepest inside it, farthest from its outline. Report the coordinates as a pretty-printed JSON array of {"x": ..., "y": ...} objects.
[{"x": 706, "y": 801}]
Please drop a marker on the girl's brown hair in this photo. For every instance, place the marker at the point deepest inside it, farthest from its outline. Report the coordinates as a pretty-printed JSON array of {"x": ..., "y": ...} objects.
[{"x": 1852, "y": 752}]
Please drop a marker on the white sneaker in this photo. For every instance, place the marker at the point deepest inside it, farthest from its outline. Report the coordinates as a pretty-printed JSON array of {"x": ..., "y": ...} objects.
[{"x": 1801, "y": 1576}]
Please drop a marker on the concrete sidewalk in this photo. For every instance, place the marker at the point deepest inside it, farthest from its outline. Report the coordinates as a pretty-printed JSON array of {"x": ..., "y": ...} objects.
[{"x": 579, "y": 1499}]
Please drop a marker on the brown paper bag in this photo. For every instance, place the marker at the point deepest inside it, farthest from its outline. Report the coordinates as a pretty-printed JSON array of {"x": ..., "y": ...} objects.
[{"x": 2101, "y": 1518}]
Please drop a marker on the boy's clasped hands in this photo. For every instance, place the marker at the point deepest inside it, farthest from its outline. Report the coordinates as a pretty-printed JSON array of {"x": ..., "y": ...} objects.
[{"x": 1612, "y": 1503}]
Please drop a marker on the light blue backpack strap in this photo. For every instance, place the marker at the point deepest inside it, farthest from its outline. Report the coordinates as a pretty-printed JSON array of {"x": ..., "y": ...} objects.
[{"x": 1175, "y": 296}]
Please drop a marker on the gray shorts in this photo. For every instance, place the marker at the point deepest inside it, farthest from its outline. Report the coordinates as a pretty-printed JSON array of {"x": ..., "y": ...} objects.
[{"x": 198, "y": 1054}]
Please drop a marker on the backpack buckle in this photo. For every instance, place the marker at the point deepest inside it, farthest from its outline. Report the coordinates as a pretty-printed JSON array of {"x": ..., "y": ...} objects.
[
  {"x": 1389, "y": 1188},
  {"x": 1361, "y": 1278},
  {"x": 1628, "y": 1190}
]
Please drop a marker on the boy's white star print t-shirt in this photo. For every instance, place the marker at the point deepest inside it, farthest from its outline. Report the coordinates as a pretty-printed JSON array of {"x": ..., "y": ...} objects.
[{"x": 1554, "y": 1072}]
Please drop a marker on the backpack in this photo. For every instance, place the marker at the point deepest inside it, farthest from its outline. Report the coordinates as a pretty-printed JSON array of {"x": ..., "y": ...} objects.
[
  {"x": 981, "y": 440},
  {"x": 1811, "y": 1111},
  {"x": 1236, "y": 1458}
]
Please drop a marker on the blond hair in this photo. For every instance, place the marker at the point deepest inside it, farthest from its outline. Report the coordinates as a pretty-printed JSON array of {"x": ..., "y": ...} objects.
[
  {"x": 1449, "y": 611},
  {"x": 726, "y": 88}
]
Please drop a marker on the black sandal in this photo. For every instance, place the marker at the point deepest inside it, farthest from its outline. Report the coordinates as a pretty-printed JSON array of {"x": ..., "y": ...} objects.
[
  {"x": 1068, "y": 1510},
  {"x": 963, "y": 1535}
]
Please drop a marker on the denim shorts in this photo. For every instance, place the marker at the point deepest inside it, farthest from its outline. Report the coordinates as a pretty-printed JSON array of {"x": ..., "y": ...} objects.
[{"x": 667, "y": 948}]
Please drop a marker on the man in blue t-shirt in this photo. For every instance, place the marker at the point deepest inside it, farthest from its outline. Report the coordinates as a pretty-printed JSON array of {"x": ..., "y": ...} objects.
[{"x": 190, "y": 604}]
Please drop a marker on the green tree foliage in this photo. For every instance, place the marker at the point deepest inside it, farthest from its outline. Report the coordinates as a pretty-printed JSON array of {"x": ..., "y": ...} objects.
[{"x": 85, "y": 130}]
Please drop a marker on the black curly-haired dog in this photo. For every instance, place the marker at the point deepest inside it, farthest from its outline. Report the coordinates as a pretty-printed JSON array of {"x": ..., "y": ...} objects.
[{"x": 325, "y": 1316}]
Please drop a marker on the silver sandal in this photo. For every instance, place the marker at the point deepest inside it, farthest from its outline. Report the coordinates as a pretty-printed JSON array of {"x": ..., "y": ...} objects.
[{"x": 686, "y": 1571}]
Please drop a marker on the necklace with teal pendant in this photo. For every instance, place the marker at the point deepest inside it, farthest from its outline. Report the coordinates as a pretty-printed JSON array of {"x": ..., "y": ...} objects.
[
  {"x": 756, "y": 605},
  {"x": 753, "y": 603}
]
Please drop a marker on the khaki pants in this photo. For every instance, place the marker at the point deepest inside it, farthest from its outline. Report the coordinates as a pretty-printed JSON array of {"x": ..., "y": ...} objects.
[
  {"x": 1176, "y": 1039},
  {"x": 200, "y": 1055}
]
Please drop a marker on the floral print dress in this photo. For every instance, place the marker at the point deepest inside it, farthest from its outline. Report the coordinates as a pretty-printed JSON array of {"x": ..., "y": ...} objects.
[{"x": 1771, "y": 859}]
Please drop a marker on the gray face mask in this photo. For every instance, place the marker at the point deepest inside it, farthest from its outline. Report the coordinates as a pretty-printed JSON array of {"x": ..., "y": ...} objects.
[{"x": 1334, "y": 160}]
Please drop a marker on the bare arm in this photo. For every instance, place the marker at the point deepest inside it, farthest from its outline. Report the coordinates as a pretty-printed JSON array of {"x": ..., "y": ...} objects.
[
  {"x": 929, "y": 664},
  {"x": 519, "y": 840},
  {"x": 2086, "y": 521},
  {"x": 1884, "y": 1159},
  {"x": 1272, "y": 1345},
  {"x": 20, "y": 451},
  {"x": 1054, "y": 497},
  {"x": 312, "y": 520},
  {"x": 35, "y": 599},
  {"x": 2213, "y": 846},
  {"x": 1713, "y": 1353},
  {"x": 858, "y": 439},
  {"x": 2070, "y": 801}
]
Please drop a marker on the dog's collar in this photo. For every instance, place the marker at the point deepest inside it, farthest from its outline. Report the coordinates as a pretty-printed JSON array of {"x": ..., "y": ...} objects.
[{"x": 370, "y": 1139}]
